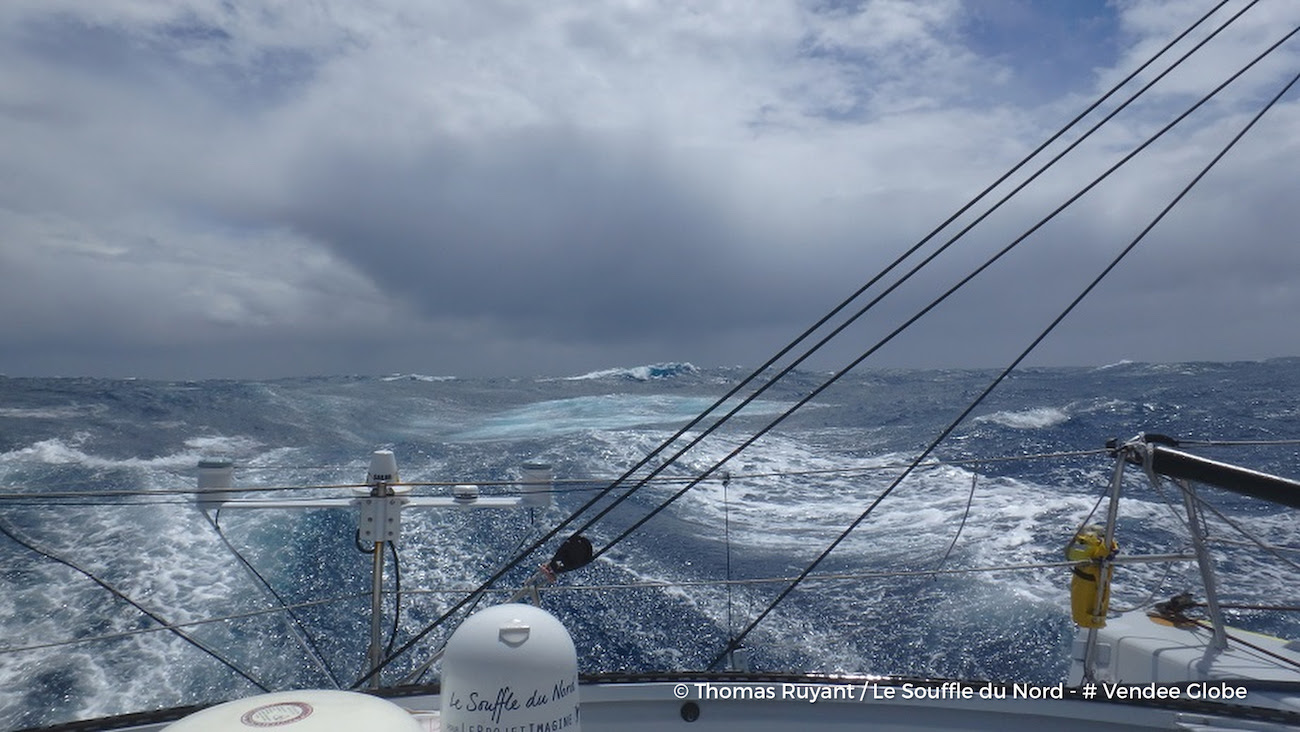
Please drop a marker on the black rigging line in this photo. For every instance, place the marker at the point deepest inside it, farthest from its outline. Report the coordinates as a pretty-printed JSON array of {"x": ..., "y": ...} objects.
[
  {"x": 573, "y": 517},
  {"x": 726, "y": 538},
  {"x": 733, "y": 643},
  {"x": 310, "y": 643},
  {"x": 397, "y": 597},
  {"x": 934, "y": 303},
  {"x": 7, "y": 531},
  {"x": 356, "y": 540},
  {"x": 853, "y": 318},
  {"x": 970, "y": 501}
]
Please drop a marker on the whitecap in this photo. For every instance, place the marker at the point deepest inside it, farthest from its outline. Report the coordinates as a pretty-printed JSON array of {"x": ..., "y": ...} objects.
[
  {"x": 417, "y": 377},
  {"x": 604, "y": 412},
  {"x": 57, "y": 451},
  {"x": 640, "y": 373},
  {"x": 66, "y": 412},
  {"x": 1028, "y": 419}
]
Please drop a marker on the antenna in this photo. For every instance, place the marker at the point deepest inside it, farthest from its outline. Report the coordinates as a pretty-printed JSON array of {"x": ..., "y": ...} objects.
[{"x": 380, "y": 502}]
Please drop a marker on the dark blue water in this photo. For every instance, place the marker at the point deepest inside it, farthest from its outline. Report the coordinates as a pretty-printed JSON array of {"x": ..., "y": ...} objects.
[{"x": 95, "y": 444}]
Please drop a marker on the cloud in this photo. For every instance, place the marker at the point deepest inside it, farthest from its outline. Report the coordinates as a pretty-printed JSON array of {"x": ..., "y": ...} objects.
[{"x": 269, "y": 188}]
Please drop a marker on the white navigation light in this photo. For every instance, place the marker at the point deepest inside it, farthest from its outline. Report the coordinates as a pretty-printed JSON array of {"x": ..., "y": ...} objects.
[
  {"x": 510, "y": 667},
  {"x": 301, "y": 711}
]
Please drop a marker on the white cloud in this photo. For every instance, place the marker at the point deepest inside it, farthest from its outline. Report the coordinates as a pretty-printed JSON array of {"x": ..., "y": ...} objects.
[{"x": 572, "y": 170}]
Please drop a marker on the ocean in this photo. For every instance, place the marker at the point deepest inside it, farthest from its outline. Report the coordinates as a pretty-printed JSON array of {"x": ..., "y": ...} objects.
[{"x": 96, "y": 472}]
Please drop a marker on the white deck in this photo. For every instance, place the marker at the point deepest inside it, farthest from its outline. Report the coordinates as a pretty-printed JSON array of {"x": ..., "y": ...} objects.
[
  {"x": 1135, "y": 649},
  {"x": 775, "y": 704}
]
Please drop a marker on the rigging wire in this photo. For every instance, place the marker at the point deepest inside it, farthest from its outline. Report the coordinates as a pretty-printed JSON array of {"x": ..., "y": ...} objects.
[
  {"x": 1238, "y": 443},
  {"x": 1235, "y": 638},
  {"x": 926, "y": 261},
  {"x": 9, "y": 532},
  {"x": 572, "y": 518},
  {"x": 1155, "y": 480},
  {"x": 876, "y": 300},
  {"x": 726, "y": 539},
  {"x": 187, "y": 624},
  {"x": 1150, "y": 598},
  {"x": 1037, "y": 340},
  {"x": 418, "y": 675},
  {"x": 1256, "y": 542},
  {"x": 1241, "y": 530},
  {"x": 296, "y": 626},
  {"x": 906, "y": 276},
  {"x": 1083, "y": 525},
  {"x": 970, "y": 501},
  {"x": 941, "y": 298},
  {"x": 1158, "y": 484}
]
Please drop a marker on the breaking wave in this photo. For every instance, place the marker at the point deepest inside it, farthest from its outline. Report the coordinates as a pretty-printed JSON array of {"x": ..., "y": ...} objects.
[
  {"x": 652, "y": 372},
  {"x": 1028, "y": 419},
  {"x": 417, "y": 377}
]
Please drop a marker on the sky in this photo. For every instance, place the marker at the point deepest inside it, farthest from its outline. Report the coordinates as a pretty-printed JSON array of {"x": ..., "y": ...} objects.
[{"x": 262, "y": 188}]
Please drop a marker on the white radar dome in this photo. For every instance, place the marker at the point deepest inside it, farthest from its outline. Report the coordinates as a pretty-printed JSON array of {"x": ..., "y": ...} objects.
[
  {"x": 510, "y": 667},
  {"x": 301, "y": 711}
]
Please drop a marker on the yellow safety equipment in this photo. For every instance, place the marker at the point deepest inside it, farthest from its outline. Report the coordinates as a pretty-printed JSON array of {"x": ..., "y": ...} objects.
[{"x": 1088, "y": 548}]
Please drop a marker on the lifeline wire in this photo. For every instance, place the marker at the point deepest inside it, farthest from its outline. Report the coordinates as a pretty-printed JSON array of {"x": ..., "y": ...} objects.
[
  {"x": 37, "y": 499},
  {"x": 839, "y": 577},
  {"x": 731, "y": 645}
]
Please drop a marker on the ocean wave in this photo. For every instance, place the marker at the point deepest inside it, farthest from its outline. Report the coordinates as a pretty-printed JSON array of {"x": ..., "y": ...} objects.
[
  {"x": 789, "y": 496},
  {"x": 416, "y": 377},
  {"x": 1028, "y": 419},
  {"x": 650, "y": 372},
  {"x": 599, "y": 413},
  {"x": 67, "y": 412},
  {"x": 58, "y": 451}
]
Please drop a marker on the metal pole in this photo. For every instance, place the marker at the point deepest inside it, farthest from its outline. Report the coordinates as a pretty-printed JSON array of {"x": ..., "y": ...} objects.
[
  {"x": 383, "y": 470},
  {"x": 1112, "y": 516},
  {"x": 1203, "y": 560},
  {"x": 376, "y": 653}
]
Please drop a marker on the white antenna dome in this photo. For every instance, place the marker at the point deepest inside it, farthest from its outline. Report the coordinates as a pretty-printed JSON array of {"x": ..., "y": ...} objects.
[{"x": 510, "y": 667}]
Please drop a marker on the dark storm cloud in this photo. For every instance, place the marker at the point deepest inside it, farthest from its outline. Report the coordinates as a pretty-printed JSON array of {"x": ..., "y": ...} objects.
[{"x": 543, "y": 232}]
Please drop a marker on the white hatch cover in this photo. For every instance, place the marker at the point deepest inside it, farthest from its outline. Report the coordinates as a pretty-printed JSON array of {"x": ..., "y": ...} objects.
[{"x": 301, "y": 711}]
